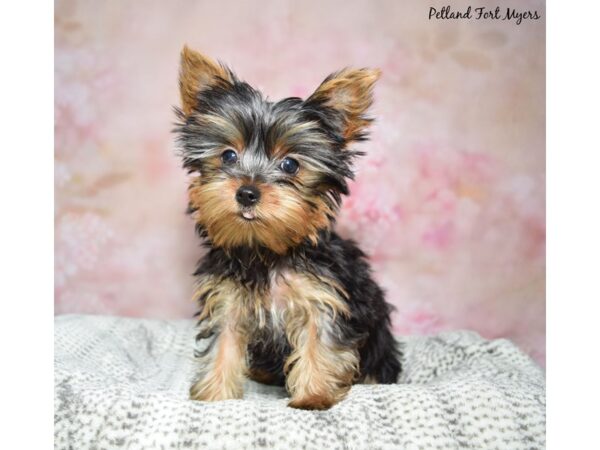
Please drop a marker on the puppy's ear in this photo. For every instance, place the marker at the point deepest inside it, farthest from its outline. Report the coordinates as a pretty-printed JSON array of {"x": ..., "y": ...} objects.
[
  {"x": 197, "y": 73},
  {"x": 350, "y": 93}
]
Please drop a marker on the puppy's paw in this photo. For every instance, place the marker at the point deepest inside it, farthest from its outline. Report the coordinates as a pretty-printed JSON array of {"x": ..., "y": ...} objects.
[
  {"x": 209, "y": 391},
  {"x": 312, "y": 402}
]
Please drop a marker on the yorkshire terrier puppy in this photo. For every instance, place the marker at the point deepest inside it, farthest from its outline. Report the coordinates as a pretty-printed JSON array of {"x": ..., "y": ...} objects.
[{"x": 283, "y": 299}]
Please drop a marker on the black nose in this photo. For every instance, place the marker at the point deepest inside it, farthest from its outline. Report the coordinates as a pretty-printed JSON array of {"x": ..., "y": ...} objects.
[{"x": 247, "y": 195}]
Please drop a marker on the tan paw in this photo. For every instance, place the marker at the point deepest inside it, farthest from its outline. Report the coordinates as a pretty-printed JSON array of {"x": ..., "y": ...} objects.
[
  {"x": 318, "y": 402},
  {"x": 209, "y": 391}
]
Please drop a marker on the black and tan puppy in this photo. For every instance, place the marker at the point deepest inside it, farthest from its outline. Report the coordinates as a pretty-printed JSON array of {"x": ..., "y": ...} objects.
[{"x": 283, "y": 299}]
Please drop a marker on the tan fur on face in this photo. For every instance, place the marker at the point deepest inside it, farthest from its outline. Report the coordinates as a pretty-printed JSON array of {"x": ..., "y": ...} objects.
[
  {"x": 197, "y": 72},
  {"x": 218, "y": 212},
  {"x": 287, "y": 220},
  {"x": 349, "y": 91},
  {"x": 283, "y": 218}
]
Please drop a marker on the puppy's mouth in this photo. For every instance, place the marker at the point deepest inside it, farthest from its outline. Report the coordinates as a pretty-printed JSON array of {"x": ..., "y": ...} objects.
[{"x": 248, "y": 213}]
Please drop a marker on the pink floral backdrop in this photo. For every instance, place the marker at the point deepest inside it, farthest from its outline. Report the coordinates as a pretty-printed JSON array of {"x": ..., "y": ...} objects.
[{"x": 449, "y": 201}]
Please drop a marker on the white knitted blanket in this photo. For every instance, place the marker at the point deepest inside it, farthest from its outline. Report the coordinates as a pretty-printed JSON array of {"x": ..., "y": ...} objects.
[{"x": 123, "y": 383}]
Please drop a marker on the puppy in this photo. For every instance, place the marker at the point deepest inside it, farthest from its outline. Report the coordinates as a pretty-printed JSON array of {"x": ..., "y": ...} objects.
[{"x": 283, "y": 299}]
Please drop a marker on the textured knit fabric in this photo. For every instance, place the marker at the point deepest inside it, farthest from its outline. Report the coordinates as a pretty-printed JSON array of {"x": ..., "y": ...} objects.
[{"x": 123, "y": 383}]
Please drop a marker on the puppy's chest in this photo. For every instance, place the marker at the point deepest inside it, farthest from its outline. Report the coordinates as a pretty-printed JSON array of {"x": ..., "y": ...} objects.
[
  {"x": 295, "y": 298},
  {"x": 276, "y": 305}
]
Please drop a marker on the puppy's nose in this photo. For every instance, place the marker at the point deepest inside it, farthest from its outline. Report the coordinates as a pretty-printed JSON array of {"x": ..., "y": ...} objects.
[{"x": 247, "y": 195}]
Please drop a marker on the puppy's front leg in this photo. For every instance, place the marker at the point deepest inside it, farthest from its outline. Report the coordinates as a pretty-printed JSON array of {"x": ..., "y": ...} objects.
[
  {"x": 321, "y": 367},
  {"x": 224, "y": 360}
]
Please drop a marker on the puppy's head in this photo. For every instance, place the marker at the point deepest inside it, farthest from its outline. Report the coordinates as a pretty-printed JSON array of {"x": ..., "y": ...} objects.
[{"x": 270, "y": 174}]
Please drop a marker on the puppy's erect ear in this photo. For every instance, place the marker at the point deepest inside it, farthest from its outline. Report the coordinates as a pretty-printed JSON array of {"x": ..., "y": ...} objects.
[
  {"x": 349, "y": 92},
  {"x": 197, "y": 73}
]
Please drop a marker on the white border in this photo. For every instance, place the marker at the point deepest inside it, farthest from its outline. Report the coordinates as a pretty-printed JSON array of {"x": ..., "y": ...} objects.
[
  {"x": 573, "y": 190},
  {"x": 26, "y": 226}
]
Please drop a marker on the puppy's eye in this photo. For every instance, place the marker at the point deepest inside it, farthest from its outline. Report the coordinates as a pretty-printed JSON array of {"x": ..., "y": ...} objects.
[
  {"x": 289, "y": 166},
  {"x": 229, "y": 157}
]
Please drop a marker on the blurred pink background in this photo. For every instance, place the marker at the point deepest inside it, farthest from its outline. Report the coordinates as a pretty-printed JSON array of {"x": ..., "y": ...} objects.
[{"x": 449, "y": 202}]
